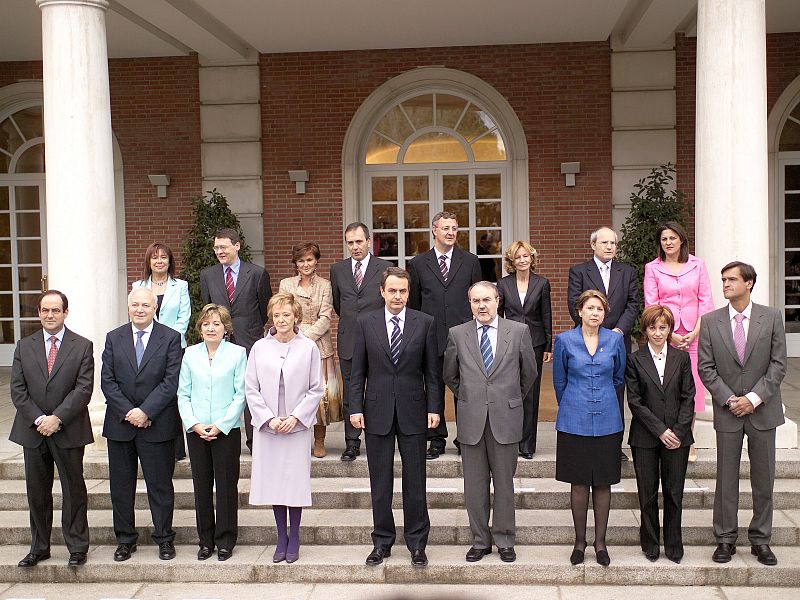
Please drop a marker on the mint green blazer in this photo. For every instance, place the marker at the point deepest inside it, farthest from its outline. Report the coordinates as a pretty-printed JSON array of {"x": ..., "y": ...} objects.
[{"x": 212, "y": 393}]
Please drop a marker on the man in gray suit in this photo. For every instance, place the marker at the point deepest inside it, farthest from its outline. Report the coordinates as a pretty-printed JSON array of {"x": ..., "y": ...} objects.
[
  {"x": 52, "y": 378},
  {"x": 489, "y": 363},
  {"x": 742, "y": 361}
]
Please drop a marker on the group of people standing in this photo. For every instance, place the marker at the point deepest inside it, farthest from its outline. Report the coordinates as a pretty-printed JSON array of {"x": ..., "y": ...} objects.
[{"x": 402, "y": 337}]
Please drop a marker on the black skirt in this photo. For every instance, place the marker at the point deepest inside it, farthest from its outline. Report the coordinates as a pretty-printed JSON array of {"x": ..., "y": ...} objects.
[{"x": 587, "y": 460}]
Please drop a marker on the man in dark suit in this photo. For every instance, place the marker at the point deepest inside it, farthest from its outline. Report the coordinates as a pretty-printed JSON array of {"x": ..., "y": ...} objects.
[
  {"x": 741, "y": 359},
  {"x": 52, "y": 378},
  {"x": 244, "y": 289},
  {"x": 396, "y": 358},
  {"x": 617, "y": 281},
  {"x": 489, "y": 362},
  {"x": 139, "y": 378},
  {"x": 440, "y": 279},
  {"x": 355, "y": 282}
]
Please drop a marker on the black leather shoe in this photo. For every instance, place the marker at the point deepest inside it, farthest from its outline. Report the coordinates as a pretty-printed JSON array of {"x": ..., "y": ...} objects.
[
  {"x": 434, "y": 452},
  {"x": 166, "y": 551},
  {"x": 723, "y": 553},
  {"x": 224, "y": 554},
  {"x": 526, "y": 455},
  {"x": 652, "y": 554},
  {"x": 76, "y": 559},
  {"x": 31, "y": 560},
  {"x": 418, "y": 558},
  {"x": 507, "y": 554},
  {"x": 577, "y": 556},
  {"x": 457, "y": 444},
  {"x": 204, "y": 553},
  {"x": 764, "y": 554},
  {"x": 623, "y": 457},
  {"x": 475, "y": 554},
  {"x": 350, "y": 453},
  {"x": 377, "y": 555},
  {"x": 124, "y": 551},
  {"x": 602, "y": 558}
]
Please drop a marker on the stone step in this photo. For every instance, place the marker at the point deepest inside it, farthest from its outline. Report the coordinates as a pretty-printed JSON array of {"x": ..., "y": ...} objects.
[
  {"x": 346, "y": 493},
  {"x": 448, "y": 526},
  {"x": 535, "y": 565}
]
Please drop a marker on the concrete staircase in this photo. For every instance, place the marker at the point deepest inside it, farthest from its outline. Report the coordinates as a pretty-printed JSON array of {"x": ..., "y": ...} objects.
[{"x": 335, "y": 534}]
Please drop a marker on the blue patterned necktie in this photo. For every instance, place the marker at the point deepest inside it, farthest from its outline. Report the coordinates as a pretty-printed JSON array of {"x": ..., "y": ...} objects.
[
  {"x": 486, "y": 348},
  {"x": 397, "y": 337},
  {"x": 139, "y": 348}
]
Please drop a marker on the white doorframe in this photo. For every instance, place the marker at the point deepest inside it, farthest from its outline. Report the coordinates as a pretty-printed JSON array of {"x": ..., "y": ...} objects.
[{"x": 787, "y": 304}]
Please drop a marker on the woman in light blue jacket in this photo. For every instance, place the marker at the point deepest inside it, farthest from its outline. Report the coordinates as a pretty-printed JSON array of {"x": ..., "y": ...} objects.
[{"x": 211, "y": 399}]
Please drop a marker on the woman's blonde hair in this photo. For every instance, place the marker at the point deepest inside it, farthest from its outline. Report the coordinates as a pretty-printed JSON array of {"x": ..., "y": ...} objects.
[
  {"x": 208, "y": 311},
  {"x": 512, "y": 251},
  {"x": 282, "y": 298}
]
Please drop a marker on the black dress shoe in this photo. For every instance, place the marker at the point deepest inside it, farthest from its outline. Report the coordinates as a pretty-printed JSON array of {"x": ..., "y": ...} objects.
[
  {"x": 31, "y": 560},
  {"x": 350, "y": 453},
  {"x": 577, "y": 556},
  {"x": 418, "y": 558},
  {"x": 124, "y": 551},
  {"x": 602, "y": 558},
  {"x": 764, "y": 554},
  {"x": 457, "y": 444},
  {"x": 507, "y": 554},
  {"x": 652, "y": 554},
  {"x": 475, "y": 554},
  {"x": 377, "y": 555},
  {"x": 204, "y": 553},
  {"x": 723, "y": 553},
  {"x": 76, "y": 559},
  {"x": 166, "y": 551},
  {"x": 224, "y": 554},
  {"x": 435, "y": 452},
  {"x": 527, "y": 455}
]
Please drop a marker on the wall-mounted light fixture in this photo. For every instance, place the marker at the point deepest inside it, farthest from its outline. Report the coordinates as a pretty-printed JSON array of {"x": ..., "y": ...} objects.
[
  {"x": 161, "y": 182},
  {"x": 570, "y": 169},
  {"x": 299, "y": 178}
]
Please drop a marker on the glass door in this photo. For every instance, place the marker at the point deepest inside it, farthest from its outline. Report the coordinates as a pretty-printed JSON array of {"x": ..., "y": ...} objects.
[{"x": 789, "y": 227}]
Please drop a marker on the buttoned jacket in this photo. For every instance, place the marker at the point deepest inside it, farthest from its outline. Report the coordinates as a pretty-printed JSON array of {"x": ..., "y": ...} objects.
[{"x": 687, "y": 294}]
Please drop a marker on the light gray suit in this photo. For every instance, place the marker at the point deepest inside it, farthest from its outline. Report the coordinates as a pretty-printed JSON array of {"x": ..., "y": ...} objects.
[
  {"x": 724, "y": 375},
  {"x": 489, "y": 421}
]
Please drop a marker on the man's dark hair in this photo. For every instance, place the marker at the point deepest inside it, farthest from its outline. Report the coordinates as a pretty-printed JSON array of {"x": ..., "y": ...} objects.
[
  {"x": 64, "y": 301},
  {"x": 227, "y": 232},
  {"x": 396, "y": 272},
  {"x": 357, "y": 225},
  {"x": 747, "y": 272}
]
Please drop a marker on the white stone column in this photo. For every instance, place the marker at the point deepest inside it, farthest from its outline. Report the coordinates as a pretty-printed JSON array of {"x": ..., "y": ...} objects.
[{"x": 81, "y": 220}]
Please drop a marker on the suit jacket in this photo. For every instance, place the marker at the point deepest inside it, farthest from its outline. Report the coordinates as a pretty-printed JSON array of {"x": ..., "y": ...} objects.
[
  {"x": 152, "y": 388},
  {"x": 349, "y": 302},
  {"x": 497, "y": 394},
  {"x": 687, "y": 295},
  {"x": 176, "y": 307},
  {"x": 762, "y": 372},
  {"x": 410, "y": 389},
  {"x": 66, "y": 392},
  {"x": 657, "y": 407},
  {"x": 250, "y": 299},
  {"x": 445, "y": 301},
  {"x": 586, "y": 385},
  {"x": 623, "y": 294},
  {"x": 534, "y": 311}
]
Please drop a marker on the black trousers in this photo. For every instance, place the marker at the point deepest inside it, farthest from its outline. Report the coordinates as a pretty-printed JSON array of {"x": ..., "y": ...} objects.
[
  {"x": 530, "y": 408},
  {"x": 217, "y": 463},
  {"x": 654, "y": 465},
  {"x": 158, "y": 465},
  {"x": 380, "y": 460},
  {"x": 39, "y": 473},
  {"x": 352, "y": 435},
  {"x": 438, "y": 435}
]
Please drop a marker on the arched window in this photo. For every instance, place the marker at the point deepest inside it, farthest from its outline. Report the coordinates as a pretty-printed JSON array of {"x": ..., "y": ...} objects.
[{"x": 789, "y": 224}]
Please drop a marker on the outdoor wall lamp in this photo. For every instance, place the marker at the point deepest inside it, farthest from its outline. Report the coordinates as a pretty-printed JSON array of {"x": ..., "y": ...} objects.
[
  {"x": 570, "y": 169},
  {"x": 299, "y": 178},
  {"x": 161, "y": 182}
]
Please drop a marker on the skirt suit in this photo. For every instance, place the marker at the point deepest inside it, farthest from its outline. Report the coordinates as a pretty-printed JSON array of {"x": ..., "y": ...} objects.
[{"x": 589, "y": 424}]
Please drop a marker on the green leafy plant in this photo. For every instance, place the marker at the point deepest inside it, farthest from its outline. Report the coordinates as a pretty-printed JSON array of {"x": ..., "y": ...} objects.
[
  {"x": 652, "y": 203},
  {"x": 211, "y": 213}
]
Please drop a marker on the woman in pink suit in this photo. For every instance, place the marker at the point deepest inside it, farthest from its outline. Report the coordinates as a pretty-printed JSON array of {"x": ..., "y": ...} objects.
[
  {"x": 679, "y": 281},
  {"x": 283, "y": 385}
]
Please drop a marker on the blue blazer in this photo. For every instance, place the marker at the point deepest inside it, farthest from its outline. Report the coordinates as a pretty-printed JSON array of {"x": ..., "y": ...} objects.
[
  {"x": 586, "y": 385},
  {"x": 176, "y": 308},
  {"x": 212, "y": 393}
]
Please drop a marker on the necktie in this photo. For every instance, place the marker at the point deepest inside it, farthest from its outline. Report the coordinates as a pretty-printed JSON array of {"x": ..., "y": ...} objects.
[
  {"x": 51, "y": 356},
  {"x": 139, "y": 348},
  {"x": 229, "y": 284},
  {"x": 443, "y": 266},
  {"x": 486, "y": 348},
  {"x": 394, "y": 342},
  {"x": 359, "y": 276},
  {"x": 739, "y": 341},
  {"x": 605, "y": 276}
]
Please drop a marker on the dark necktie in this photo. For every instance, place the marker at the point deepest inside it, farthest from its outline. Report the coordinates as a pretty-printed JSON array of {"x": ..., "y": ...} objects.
[
  {"x": 229, "y": 284},
  {"x": 139, "y": 348},
  {"x": 51, "y": 356},
  {"x": 358, "y": 275},
  {"x": 443, "y": 266},
  {"x": 394, "y": 342},
  {"x": 486, "y": 348}
]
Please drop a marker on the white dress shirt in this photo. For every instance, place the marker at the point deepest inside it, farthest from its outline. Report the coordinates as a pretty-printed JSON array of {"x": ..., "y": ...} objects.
[
  {"x": 754, "y": 398},
  {"x": 660, "y": 360},
  {"x": 605, "y": 272},
  {"x": 389, "y": 325},
  {"x": 234, "y": 272},
  {"x": 492, "y": 333},
  {"x": 146, "y": 337},
  {"x": 447, "y": 257},
  {"x": 364, "y": 262}
]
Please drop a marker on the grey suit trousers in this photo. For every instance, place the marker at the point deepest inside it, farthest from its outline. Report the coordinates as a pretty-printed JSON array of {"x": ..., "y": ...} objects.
[
  {"x": 489, "y": 460},
  {"x": 761, "y": 450}
]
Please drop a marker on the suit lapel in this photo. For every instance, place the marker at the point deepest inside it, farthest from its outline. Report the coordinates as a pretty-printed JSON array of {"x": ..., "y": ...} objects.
[
  {"x": 372, "y": 271},
  {"x": 754, "y": 330},
  {"x": 380, "y": 332},
  {"x": 503, "y": 342},
  {"x": 472, "y": 343},
  {"x": 244, "y": 275},
  {"x": 126, "y": 342},
  {"x": 671, "y": 367},
  {"x": 40, "y": 353},
  {"x": 433, "y": 265},
  {"x": 172, "y": 285},
  {"x": 594, "y": 275},
  {"x": 456, "y": 260},
  {"x": 724, "y": 327},
  {"x": 63, "y": 353},
  {"x": 152, "y": 345},
  {"x": 532, "y": 284},
  {"x": 408, "y": 331},
  {"x": 646, "y": 360},
  {"x": 614, "y": 277}
]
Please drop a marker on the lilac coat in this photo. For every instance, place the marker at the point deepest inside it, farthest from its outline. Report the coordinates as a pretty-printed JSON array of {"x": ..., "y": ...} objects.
[{"x": 687, "y": 295}]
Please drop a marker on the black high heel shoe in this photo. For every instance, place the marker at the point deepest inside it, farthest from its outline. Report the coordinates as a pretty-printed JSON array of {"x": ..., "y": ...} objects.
[
  {"x": 577, "y": 556},
  {"x": 602, "y": 557}
]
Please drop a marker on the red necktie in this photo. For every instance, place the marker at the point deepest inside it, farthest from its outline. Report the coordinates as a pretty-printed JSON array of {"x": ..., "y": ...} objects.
[
  {"x": 51, "y": 356},
  {"x": 443, "y": 266},
  {"x": 359, "y": 276},
  {"x": 229, "y": 284}
]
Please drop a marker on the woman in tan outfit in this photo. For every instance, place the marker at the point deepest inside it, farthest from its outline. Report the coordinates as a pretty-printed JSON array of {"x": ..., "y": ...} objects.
[{"x": 314, "y": 295}]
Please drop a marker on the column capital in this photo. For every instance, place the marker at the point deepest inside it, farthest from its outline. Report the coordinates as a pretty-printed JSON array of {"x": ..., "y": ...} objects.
[{"x": 102, "y": 4}]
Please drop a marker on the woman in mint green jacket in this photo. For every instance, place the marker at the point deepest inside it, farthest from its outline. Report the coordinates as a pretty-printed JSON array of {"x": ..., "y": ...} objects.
[{"x": 211, "y": 400}]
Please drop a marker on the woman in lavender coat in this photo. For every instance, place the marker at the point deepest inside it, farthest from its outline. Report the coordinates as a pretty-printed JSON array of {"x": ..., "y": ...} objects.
[{"x": 283, "y": 386}]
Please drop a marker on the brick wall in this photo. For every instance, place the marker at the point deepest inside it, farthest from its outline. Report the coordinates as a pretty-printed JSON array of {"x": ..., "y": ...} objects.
[{"x": 560, "y": 92}]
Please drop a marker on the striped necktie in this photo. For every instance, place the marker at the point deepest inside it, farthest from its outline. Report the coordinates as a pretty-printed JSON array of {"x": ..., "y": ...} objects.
[
  {"x": 443, "y": 266},
  {"x": 358, "y": 275},
  {"x": 394, "y": 342},
  {"x": 486, "y": 349},
  {"x": 229, "y": 287},
  {"x": 51, "y": 356}
]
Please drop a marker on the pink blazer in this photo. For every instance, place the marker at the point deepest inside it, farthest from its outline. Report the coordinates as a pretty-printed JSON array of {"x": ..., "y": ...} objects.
[{"x": 687, "y": 295}]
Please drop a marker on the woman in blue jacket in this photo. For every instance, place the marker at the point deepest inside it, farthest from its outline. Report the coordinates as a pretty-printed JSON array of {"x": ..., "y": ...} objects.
[
  {"x": 588, "y": 367},
  {"x": 211, "y": 400}
]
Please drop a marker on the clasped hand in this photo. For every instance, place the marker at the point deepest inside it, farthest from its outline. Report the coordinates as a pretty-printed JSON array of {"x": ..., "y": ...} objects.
[
  {"x": 49, "y": 425},
  {"x": 283, "y": 424},
  {"x": 206, "y": 432},
  {"x": 357, "y": 421},
  {"x": 138, "y": 418},
  {"x": 741, "y": 406},
  {"x": 670, "y": 440}
]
